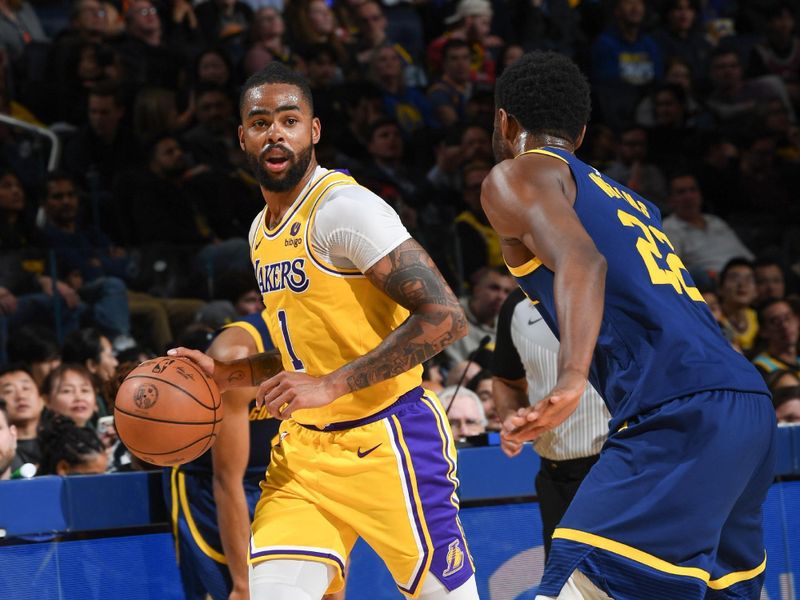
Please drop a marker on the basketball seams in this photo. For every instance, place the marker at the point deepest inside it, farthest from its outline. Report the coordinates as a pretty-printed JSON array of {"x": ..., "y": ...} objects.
[
  {"x": 171, "y": 421},
  {"x": 197, "y": 441},
  {"x": 204, "y": 378}
]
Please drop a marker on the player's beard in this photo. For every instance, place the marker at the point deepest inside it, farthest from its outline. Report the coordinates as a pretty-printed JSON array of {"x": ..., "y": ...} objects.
[{"x": 290, "y": 178}]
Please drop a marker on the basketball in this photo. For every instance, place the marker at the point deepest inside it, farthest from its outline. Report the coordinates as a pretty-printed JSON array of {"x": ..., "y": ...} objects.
[{"x": 167, "y": 411}]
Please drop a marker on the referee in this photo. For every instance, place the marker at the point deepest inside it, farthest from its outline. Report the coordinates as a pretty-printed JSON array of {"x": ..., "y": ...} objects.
[{"x": 524, "y": 368}]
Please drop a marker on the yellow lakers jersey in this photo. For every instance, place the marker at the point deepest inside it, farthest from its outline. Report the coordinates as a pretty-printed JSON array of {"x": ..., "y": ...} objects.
[{"x": 319, "y": 316}]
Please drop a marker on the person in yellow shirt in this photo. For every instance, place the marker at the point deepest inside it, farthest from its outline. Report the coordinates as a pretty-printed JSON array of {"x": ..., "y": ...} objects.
[{"x": 354, "y": 305}]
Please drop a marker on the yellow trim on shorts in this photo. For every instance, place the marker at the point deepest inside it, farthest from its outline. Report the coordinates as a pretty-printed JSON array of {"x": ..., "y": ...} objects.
[
  {"x": 198, "y": 539},
  {"x": 417, "y": 500},
  {"x": 249, "y": 328},
  {"x": 525, "y": 268},
  {"x": 656, "y": 563},
  {"x": 297, "y": 556},
  {"x": 173, "y": 494},
  {"x": 541, "y": 151}
]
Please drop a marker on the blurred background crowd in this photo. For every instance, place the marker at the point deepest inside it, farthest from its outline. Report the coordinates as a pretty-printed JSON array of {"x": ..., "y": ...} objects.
[{"x": 125, "y": 199}]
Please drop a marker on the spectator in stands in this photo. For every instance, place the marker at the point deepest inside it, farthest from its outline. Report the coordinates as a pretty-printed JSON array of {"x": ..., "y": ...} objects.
[
  {"x": 90, "y": 21},
  {"x": 762, "y": 185},
  {"x": 213, "y": 66},
  {"x": 85, "y": 63},
  {"x": 480, "y": 244},
  {"x": 313, "y": 22},
  {"x": 545, "y": 25},
  {"x": 181, "y": 27},
  {"x": 624, "y": 54},
  {"x": 779, "y": 52},
  {"x": 144, "y": 51},
  {"x": 36, "y": 348},
  {"x": 24, "y": 406},
  {"x": 16, "y": 225},
  {"x": 8, "y": 445},
  {"x": 267, "y": 41},
  {"x": 19, "y": 26},
  {"x": 490, "y": 286},
  {"x": 676, "y": 73},
  {"x": 70, "y": 449},
  {"x": 69, "y": 391},
  {"x": 770, "y": 280},
  {"x": 785, "y": 388},
  {"x": 372, "y": 25},
  {"x": 470, "y": 22},
  {"x": 465, "y": 370},
  {"x": 465, "y": 412},
  {"x": 680, "y": 35},
  {"x": 732, "y": 98},
  {"x": 155, "y": 113},
  {"x": 240, "y": 289},
  {"x": 407, "y": 105},
  {"x": 212, "y": 141},
  {"x": 737, "y": 289},
  {"x": 225, "y": 23},
  {"x": 632, "y": 167},
  {"x": 88, "y": 347},
  {"x": 103, "y": 147},
  {"x": 462, "y": 145},
  {"x": 385, "y": 172},
  {"x": 718, "y": 174},
  {"x": 450, "y": 94},
  {"x": 362, "y": 103},
  {"x": 482, "y": 384},
  {"x": 704, "y": 242},
  {"x": 779, "y": 328}
]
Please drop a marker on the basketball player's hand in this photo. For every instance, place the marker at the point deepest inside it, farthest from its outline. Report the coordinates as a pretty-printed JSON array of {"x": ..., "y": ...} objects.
[
  {"x": 531, "y": 422},
  {"x": 289, "y": 391},
  {"x": 509, "y": 447},
  {"x": 204, "y": 361}
]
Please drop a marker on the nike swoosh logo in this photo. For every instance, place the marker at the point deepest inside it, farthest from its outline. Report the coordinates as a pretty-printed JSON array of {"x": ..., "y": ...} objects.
[
  {"x": 535, "y": 321},
  {"x": 258, "y": 244},
  {"x": 363, "y": 454}
]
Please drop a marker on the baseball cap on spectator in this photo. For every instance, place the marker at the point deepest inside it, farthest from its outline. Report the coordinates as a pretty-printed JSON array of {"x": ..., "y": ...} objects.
[{"x": 470, "y": 8}]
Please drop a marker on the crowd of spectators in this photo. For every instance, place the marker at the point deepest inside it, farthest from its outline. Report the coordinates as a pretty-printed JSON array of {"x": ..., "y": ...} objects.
[{"x": 135, "y": 239}]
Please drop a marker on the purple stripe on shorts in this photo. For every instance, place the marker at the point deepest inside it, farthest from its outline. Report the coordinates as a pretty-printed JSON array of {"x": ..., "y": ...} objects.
[
  {"x": 414, "y": 509},
  {"x": 428, "y": 437},
  {"x": 327, "y": 555}
]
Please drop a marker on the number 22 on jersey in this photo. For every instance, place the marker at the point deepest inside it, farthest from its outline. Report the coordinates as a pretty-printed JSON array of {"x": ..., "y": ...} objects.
[{"x": 648, "y": 246}]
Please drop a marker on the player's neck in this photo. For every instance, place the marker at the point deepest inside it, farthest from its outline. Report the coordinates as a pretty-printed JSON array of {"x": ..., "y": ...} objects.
[
  {"x": 279, "y": 202},
  {"x": 528, "y": 141}
]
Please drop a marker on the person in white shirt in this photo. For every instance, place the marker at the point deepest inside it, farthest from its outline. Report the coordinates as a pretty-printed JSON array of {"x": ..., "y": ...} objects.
[{"x": 704, "y": 242}]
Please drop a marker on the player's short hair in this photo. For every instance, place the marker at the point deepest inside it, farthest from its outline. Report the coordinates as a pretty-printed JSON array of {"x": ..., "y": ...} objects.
[
  {"x": 546, "y": 93},
  {"x": 16, "y": 367},
  {"x": 276, "y": 72}
]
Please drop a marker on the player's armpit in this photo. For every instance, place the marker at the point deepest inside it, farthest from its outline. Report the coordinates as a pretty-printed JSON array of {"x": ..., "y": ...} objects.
[{"x": 408, "y": 276}]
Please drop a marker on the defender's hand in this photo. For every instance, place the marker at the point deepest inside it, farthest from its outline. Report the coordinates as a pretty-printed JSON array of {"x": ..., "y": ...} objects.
[
  {"x": 531, "y": 422},
  {"x": 289, "y": 391}
]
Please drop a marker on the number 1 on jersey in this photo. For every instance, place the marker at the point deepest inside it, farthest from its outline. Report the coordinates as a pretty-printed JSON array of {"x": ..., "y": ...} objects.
[{"x": 297, "y": 364}]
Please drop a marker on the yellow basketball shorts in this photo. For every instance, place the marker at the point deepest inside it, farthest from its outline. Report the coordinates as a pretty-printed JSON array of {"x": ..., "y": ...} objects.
[{"x": 389, "y": 478}]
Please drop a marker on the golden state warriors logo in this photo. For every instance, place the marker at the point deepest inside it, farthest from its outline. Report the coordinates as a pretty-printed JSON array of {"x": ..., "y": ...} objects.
[{"x": 455, "y": 558}]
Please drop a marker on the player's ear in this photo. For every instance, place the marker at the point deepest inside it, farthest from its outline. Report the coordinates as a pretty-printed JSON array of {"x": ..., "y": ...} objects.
[
  {"x": 502, "y": 122},
  {"x": 579, "y": 141},
  {"x": 240, "y": 133},
  {"x": 316, "y": 130}
]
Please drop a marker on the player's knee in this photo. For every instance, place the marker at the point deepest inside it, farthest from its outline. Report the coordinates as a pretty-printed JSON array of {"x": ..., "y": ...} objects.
[
  {"x": 289, "y": 580},
  {"x": 433, "y": 589}
]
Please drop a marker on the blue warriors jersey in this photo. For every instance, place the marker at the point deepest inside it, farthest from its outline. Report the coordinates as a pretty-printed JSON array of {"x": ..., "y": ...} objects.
[
  {"x": 658, "y": 340},
  {"x": 262, "y": 427}
]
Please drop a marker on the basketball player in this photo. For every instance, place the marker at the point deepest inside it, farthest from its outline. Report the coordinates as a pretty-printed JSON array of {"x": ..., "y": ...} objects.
[
  {"x": 672, "y": 508},
  {"x": 354, "y": 305}
]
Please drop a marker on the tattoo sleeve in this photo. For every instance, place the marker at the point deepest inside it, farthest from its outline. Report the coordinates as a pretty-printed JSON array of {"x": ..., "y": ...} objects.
[{"x": 410, "y": 278}]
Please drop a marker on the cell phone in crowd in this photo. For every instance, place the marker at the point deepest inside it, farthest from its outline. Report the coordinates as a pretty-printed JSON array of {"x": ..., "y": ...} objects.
[{"x": 104, "y": 424}]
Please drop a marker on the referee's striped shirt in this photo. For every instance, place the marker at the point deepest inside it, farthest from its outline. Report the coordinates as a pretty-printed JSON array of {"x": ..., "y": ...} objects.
[{"x": 527, "y": 348}]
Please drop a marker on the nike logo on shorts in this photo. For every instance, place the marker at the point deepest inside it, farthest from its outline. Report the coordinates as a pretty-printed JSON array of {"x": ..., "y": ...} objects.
[{"x": 365, "y": 452}]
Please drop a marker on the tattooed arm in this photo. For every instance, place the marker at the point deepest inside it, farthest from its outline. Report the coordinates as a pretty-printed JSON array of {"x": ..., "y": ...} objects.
[
  {"x": 408, "y": 276},
  {"x": 243, "y": 372}
]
